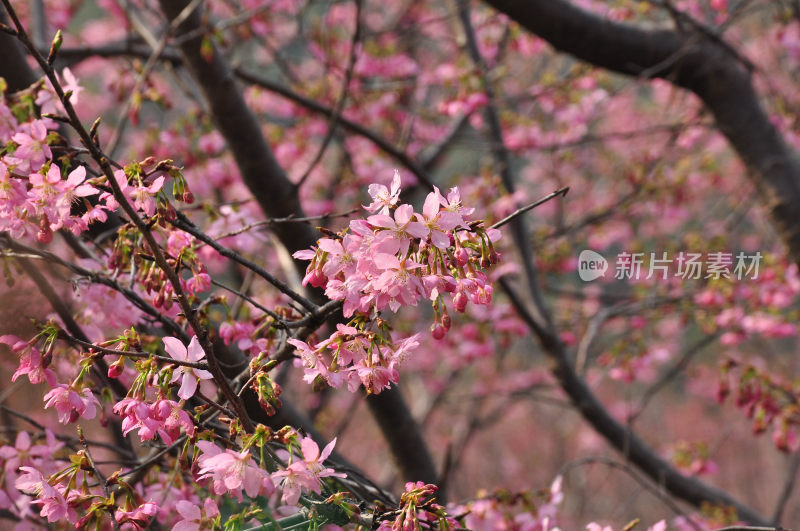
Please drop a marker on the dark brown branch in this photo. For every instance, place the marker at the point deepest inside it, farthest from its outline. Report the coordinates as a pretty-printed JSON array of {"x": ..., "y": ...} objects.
[
  {"x": 788, "y": 488},
  {"x": 14, "y": 67},
  {"x": 690, "y": 61},
  {"x": 100, "y": 477},
  {"x": 125, "y": 49},
  {"x": 277, "y": 197},
  {"x": 103, "y": 161},
  {"x": 622, "y": 439}
]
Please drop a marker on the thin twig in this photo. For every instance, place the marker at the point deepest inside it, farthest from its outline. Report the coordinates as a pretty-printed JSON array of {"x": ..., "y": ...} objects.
[
  {"x": 333, "y": 121},
  {"x": 103, "y": 351},
  {"x": 518, "y": 212},
  {"x": 278, "y": 320},
  {"x": 183, "y": 223},
  {"x": 275, "y": 221},
  {"x": 99, "y": 476},
  {"x": 788, "y": 488}
]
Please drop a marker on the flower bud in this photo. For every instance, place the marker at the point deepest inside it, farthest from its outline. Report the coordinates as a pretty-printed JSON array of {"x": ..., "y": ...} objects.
[
  {"x": 462, "y": 256},
  {"x": 45, "y": 234},
  {"x": 460, "y": 302},
  {"x": 438, "y": 331},
  {"x": 116, "y": 368}
]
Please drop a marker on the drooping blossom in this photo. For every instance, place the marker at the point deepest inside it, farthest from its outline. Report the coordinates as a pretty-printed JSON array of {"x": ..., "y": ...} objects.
[
  {"x": 70, "y": 404},
  {"x": 138, "y": 517},
  {"x": 383, "y": 198},
  {"x": 32, "y": 149},
  {"x": 304, "y": 475},
  {"x": 30, "y": 361},
  {"x": 394, "y": 258},
  {"x": 163, "y": 417},
  {"x": 24, "y": 453},
  {"x": 54, "y": 505}
]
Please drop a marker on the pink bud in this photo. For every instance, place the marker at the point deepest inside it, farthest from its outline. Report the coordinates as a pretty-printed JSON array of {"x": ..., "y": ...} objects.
[
  {"x": 462, "y": 256},
  {"x": 460, "y": 302},
  {"x": 316, "y": 278},
  {"x": 115, "y": 369},
  {"x": 45, "y": 234},
  {"x": 438, "y": 331}
]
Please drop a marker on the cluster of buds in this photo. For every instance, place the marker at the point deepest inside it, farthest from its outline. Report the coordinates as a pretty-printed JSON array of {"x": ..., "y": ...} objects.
[
  {"x": 414, "y": 509},
  {"x": 767, "y": 400},
  {"x": 268, "y": 392}
]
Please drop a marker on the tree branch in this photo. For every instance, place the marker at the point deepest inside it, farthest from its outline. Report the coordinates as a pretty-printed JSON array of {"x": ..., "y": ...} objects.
[
  {"x": 692, "y": 61},
  {"x": 73, "y": 55},
  {"x": 624, "y": 440},
  {"x": 277, "y": 197}
]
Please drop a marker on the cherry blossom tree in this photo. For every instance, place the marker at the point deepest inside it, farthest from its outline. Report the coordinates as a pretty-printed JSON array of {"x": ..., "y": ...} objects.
[{"x": 282, "y": 264}]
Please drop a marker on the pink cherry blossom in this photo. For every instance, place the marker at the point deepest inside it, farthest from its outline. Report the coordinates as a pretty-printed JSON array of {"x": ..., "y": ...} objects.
[
  {"x": 25, "y": 453},
  {"x": 47, "y": 98},
  {"x": 163, "y": 417},
  {"x": 193, "y": 516},
  {"x": 30, "y": 362},
  {"x": 400, "y": 230},
  {"x": 439, "y": 222},
  {"x": 232, "y": 471},
  {"x": 303, "y": 475},
  {"x": 188, "y": 375},
  {"x": 70, "y": 404},
  {"x": 143, "y": 196},
  {"x": 32, "y": 146},
  {"x": 140, "y": 195},
  {"x": 383, "y": 198},
  {"x": 294, "y": 480},
  {"x": 138, "y": 517},
  {"x": 54, "y": 506}
]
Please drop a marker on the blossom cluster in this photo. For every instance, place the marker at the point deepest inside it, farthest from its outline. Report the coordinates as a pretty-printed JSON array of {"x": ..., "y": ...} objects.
[
  {"x": 393, "y": 258},
  {"x": 72, "y": 402},
  {"x": 37, "y": 193},
  {"x": 22, "y": 463},
  {"x": 231, "y": 472}
]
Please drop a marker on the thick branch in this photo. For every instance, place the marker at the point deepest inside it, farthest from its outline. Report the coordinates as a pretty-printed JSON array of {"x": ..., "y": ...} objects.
[
  {"x": 694, "y": 62},
  {"x": 277, "y": 197},
  {"x": 624, "y": 440},
  {"x": 117, "y": 49},
  {"x": 14, "y": 67},
  {"x": 265, "y": 178}
]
